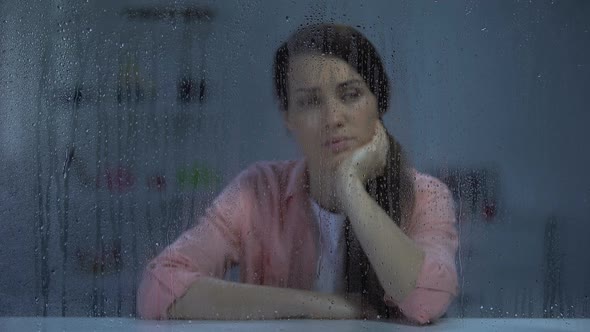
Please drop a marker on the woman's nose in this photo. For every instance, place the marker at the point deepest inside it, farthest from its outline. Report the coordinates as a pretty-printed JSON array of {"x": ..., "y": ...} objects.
[{"x": 333, "y": 114}]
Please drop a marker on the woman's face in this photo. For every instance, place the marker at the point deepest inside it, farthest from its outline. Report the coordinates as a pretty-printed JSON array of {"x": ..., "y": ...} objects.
[{"x": 331, "y": 109}]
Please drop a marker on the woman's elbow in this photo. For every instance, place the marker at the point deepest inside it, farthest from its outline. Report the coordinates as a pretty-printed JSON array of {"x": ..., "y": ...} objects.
[
  {"x": 147, "y": 309},
  {"x": 425, "y": 306},
  {"x": 423, "y": 316},
  {"x": 152, "y": 298},
  {"x": 144, "y": 312}
]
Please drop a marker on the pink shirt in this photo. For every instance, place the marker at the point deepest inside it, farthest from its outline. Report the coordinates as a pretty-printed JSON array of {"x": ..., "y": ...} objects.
[{"x": 263, "y": 222}]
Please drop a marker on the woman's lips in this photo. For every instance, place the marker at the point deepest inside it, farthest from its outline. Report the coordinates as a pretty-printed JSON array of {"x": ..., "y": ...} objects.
[{"x": 339, "y": 144}]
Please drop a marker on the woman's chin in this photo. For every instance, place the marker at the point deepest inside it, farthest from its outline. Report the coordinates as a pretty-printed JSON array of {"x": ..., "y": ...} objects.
[{"x": 332, "y": 161}]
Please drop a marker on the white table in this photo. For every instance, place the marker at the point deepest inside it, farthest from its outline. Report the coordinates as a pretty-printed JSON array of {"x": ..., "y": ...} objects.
[{"x": 50, "y": 324}]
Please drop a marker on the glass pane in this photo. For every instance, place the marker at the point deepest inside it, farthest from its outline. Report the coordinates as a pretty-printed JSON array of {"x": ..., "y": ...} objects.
[{"x": 121, "y": 122}]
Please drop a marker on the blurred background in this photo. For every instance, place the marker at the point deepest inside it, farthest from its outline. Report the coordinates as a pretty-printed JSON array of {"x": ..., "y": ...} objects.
[{"x": 121, "y": 120}]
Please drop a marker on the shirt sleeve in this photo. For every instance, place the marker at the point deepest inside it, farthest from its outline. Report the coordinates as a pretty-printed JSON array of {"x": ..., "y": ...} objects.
[
  {"x": 432, "y": 228},
  {"x": 207, "y": 249}
]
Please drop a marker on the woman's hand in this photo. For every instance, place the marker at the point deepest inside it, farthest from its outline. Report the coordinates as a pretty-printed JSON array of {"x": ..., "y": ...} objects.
[{"x": 365, "y": 163}]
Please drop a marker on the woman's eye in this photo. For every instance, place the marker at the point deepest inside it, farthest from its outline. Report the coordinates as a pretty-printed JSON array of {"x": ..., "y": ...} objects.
[
  {"x": 309, "y": 102},
  {"x": 351, "y": 95}
]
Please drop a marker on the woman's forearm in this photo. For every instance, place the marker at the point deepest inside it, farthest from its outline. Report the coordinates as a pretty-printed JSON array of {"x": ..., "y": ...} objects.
[
  {"x": 211, "y": 298},
  {"x": 394, "y": 256}
]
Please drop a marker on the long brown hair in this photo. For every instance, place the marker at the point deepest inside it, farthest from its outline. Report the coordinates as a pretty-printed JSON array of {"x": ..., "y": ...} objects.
[{"x": 394, "y": 190}]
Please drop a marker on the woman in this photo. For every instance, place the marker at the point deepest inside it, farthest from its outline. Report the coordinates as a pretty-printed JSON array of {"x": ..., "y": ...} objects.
[{"x": 348, "y": 231}]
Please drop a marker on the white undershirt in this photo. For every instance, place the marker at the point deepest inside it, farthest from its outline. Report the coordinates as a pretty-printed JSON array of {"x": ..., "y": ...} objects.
[{"x": 330, "y": 268}]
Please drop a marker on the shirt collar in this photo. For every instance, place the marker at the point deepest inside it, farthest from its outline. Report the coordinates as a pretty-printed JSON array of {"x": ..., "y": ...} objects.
[{"x": 297, "y": 182}]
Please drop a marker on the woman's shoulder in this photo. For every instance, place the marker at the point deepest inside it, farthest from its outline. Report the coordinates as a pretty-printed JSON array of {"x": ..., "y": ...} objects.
[
  {"x": 271, "y": 166},
  {"x": 269, "y": 169},
  {"x": 433, "y": 204},
  {"x": 428, "y": 187},
  {"x": 269, "y": 175}
]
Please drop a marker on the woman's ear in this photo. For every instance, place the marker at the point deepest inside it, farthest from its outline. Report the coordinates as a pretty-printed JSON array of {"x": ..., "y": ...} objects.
[{"x": 287, "y": 122}]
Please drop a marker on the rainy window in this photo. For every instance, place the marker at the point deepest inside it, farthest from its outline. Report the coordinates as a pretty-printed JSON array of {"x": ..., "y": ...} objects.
[{"x": 336, "y": 153}]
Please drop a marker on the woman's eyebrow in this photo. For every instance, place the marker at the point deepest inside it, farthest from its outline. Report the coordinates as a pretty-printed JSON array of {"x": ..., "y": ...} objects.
[
  {"x": 349, "y": 83},
  {"x": 341, "y": 85},
  {"x": 314, "y": 89}
]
